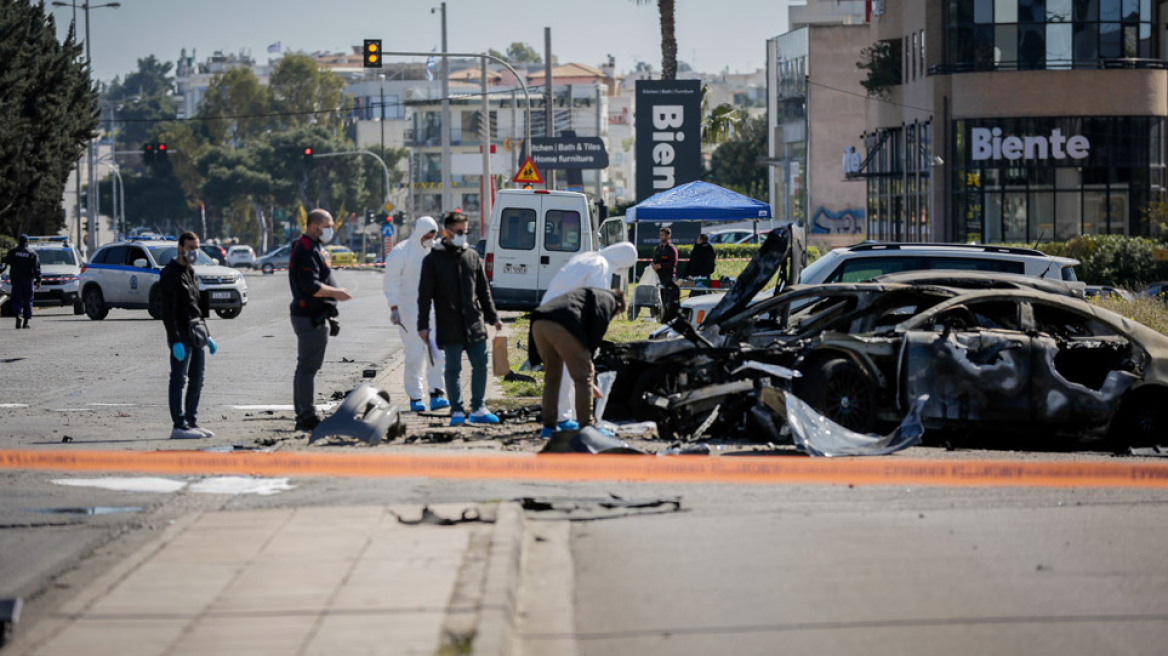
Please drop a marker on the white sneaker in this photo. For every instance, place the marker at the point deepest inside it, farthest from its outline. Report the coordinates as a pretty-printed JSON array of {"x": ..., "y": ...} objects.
[
  {"x": 186, "y": 434},
  {"x": 204, "y": 431}
]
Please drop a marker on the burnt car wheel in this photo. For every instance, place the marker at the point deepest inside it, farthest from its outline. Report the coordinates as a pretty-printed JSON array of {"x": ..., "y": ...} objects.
[
  {"x": 1142, "y": 420},
  {"x": 843, "y": 391}
]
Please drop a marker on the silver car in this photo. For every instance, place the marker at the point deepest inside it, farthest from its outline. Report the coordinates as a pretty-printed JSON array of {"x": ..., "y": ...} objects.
[{"x": 60, "y": 269}]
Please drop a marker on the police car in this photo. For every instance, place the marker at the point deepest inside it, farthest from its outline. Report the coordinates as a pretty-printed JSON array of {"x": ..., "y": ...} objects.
[
  {"x": 125, "y": 275},
  {"x": 60, "y": 268}
]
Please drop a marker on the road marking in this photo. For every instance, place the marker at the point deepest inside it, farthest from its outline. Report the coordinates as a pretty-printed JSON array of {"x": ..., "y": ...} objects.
[
  {"x": 768, "y": 470},
  {"x": 114, "y": 405},
  {"x": 13, "y": 405},
  {"x": 72, "y": 409},
  {"x": 323, "y": 407}
]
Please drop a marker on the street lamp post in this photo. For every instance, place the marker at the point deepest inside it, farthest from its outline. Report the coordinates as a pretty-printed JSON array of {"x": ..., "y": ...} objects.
[{"x": 90, "y": 154}]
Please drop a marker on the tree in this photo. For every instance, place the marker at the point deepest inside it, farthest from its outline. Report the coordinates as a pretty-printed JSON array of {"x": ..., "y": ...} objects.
[
  {"x": 882, "y": 61},
  {"x": 665, "y": 9},
  {"x": 136, "y": 105},
  {"x": 302, "y": 94},
  {"x": 522, "y": 53},
  {"x": 719, "y": 123},
  {"x": 48, "y": 111},
  {"x": 236, "y": 108},
  {"x": 738, "y": 163}
]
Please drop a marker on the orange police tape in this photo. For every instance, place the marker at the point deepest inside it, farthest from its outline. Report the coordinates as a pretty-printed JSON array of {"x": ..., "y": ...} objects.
[{"x": 578, "y": 467}]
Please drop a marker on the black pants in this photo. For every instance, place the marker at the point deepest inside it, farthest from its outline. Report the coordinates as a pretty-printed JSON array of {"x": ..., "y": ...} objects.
[
  {"x": 670, "y": 297},
  {"x": 311, "y": 342}
]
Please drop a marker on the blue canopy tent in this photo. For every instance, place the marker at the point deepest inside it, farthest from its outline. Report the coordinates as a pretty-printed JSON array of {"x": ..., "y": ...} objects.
[{"x": 698, "y": 201}]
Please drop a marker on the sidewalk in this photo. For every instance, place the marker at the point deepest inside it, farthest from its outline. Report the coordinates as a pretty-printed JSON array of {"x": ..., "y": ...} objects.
[{"x": 348, "y": 580}]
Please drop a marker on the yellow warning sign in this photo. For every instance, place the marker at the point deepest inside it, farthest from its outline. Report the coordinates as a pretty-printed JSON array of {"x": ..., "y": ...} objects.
[
  {"x": 1160, "y": 254},
  {"x": 528, "y": 173}
]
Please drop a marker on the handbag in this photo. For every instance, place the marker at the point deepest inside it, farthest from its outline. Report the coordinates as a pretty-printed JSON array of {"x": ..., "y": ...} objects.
[{"x": 199, "y": 333}]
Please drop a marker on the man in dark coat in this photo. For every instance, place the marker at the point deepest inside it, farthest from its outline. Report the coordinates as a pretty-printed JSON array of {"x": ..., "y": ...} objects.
[
  {"x": 566, "y": 331},
  {"x": 24, "y": 271},
  {"x": 701, "y": 259},
  {"x": 454, "y": 282},
  {"x": 187, "y": 336},
  {"x": 665, "y": 264}
]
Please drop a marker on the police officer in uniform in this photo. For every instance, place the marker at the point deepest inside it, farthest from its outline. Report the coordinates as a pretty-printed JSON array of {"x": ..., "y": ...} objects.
[
  {"x": 25, "y": 273},
  {"x": 314, "y": 309}
]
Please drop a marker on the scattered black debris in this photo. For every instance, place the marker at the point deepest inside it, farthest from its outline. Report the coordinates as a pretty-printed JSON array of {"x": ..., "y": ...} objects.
[
  {"x": 688, "y": 450},
  {"x": 338, "y": 395},
  {"x": 9, "y": 360},
  {"x": 1156, "y": 451},
  {"x": 230, "y": 448},
  {"x": 66, "y": 439},
  {"x": 9, "y": 616},
  {"x": 369, "y": 373},
  {"x": 513, "y": 377},
  {"x": 588, "y": 440},
  {"x": 469, "y": 515},
  {"x": 520, "y": 415},
  {"x": 86, "y": 510},
  {"x": 589, "y": 509},
  {"x": 347, "y": 360},
  {"x": 434, "y": 437}
]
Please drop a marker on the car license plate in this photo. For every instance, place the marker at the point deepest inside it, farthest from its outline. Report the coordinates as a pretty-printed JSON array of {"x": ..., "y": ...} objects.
[{"x": 220, "y": 295}]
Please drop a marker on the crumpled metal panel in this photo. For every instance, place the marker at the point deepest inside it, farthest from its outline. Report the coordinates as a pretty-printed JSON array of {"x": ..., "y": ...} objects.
[
  {"x": 366, "y": 414},
  {"x": 969, "y": 376},
  {"x": 1066, "y": 402},
  {"x": 770, "y": 256},
  {"x": 817, "y": 435}
]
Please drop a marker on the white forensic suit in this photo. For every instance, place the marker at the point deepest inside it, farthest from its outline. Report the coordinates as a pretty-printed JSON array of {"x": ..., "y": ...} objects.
[
  {"x": 403, "y": 269},
  {"x": 589, "y": 269}
]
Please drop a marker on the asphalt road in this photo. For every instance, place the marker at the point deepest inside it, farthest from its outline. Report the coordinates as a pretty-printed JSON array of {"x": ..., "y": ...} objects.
[{"x": 741, "y": 569}]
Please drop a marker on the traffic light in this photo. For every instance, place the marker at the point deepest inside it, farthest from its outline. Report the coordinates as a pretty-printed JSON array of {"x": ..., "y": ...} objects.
[
  {"x": 160, "y": 151},
  {"x": 148, "y": 152},
  {"x": 372, "y": 53},
  {"x": 306, "y": 155}
]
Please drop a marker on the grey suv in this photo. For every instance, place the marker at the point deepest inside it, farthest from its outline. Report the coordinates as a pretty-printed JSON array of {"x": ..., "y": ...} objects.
[
  {"x": 125, "y": 275},
  {"x": 60, "y": 268}
]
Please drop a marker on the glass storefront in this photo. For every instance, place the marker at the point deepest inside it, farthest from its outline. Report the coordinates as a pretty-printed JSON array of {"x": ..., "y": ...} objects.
[
  {"x": 994, "y": 35},
  {"x": 899, "y": 183},
  {"x": 1050, "y": 179}
]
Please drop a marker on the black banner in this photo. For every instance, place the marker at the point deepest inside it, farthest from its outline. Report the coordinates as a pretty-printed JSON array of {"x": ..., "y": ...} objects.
[{"x": 669, "y": 134}]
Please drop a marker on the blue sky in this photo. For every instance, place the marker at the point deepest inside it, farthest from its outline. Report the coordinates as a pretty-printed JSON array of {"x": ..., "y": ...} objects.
[{"x": 711, "y": 35}]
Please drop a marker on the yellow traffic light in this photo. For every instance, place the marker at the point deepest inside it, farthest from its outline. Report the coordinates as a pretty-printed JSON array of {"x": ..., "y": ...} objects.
[{"x": 372, "y": 53}]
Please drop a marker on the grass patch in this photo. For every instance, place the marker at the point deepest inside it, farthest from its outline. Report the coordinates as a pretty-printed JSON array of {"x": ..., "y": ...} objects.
[{"x": 1151, "y": 312}]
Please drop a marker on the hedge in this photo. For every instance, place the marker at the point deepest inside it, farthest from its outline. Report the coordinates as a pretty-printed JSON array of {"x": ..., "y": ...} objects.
[{"x": 1110, "y": 259}]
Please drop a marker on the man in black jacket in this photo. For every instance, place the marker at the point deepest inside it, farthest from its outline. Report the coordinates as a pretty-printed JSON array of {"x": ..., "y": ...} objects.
[
  {"x": 25, "y": 274},
  {"x": 566, "y": 331},
  {"x": 314, "y": 307},
  {"x": 454, "y": 281},
  {"x": 187, "y": 335},
  {"x": 701, "y": 259}
]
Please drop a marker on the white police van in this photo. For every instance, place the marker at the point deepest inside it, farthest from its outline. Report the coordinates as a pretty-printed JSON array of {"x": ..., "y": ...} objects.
[
  {"x": 532, "y": 235},
  {"x": 125, "y": 275}
]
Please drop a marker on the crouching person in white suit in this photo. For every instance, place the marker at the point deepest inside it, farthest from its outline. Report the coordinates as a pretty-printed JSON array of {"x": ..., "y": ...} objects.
[
  {"x": 403, "y": 269},
  {"x": 589, "y": 269}
]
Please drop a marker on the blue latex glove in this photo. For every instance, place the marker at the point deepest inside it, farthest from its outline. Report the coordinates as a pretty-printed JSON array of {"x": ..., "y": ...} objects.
[
  {"x": 179, "y": 351},
  {"x": 212, "y": 346}
]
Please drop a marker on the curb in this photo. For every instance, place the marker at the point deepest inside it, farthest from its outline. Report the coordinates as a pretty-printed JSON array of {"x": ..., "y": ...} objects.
[{"x": 495, "y": 627}]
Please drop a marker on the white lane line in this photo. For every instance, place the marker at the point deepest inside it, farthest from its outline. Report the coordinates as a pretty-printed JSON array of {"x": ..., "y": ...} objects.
[
  {"x": 13, "y": 405},
  {"x": 114, "y": 405},
  {"x": 277, "y": 408}
]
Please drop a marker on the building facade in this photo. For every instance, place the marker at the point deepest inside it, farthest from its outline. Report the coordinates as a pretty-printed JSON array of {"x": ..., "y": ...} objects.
[{"x": 1015, "y": 120}]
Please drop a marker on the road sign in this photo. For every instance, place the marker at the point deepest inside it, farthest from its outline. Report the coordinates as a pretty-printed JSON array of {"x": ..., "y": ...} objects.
[
  {"x": 387, "y": 230},
  {"x": 528, "y": 173},
  {"x": 569, "y": 152},
  {"x": 1160, "y": 254},
  {"x": 388, "y": 206}
]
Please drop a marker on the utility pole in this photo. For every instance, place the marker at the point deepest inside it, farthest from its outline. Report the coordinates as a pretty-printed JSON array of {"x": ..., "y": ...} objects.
[
  {"x": 485, "y": 141},
  {"x": 447, "y": 203},
  {"x": 549, "y": 125},
  {"x": 382, "y": 122}
]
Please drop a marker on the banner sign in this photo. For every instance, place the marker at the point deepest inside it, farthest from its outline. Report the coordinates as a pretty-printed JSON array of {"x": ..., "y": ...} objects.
[
  {"x": 569, "y": 153},
  {"x": 669, "y": 134}
]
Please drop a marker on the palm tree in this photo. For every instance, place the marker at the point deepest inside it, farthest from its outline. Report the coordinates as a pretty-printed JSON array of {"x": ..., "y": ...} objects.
[
  {"x": 668, "y": 39},
  {"x": 718, "y": 124}
]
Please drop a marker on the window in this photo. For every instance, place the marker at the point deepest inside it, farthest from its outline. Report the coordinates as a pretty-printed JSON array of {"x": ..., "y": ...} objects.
[
  {"x": 561, "y": 230},
  {"x": 55, "y": 256},
  {"x": 867, "y": 268},
  {"x": 114, "y": 255},
  {"x": 517, "y": 229},
  {"x": 973, "y": 264},
  {"x": 136, "y": 253}
]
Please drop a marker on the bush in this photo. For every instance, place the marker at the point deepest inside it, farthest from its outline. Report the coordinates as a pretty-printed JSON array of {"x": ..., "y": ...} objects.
[{"x": 1111, "y": 259}]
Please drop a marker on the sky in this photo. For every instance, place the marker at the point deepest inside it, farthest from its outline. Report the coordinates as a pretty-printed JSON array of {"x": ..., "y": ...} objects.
[{"x": 712, "y": 35}]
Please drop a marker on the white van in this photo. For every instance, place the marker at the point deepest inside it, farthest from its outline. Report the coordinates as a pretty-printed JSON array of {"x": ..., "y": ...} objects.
[{"x": 532, "y": 235}]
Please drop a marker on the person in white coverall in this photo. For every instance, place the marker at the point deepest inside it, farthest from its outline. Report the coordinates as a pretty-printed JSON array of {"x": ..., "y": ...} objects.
[
  {"x": 589, "y": 269},
  {"x": 403, "y": 269}
]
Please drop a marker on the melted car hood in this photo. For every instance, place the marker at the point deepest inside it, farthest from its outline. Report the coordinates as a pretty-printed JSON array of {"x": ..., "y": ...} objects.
[{"x": 783, "y": 246}]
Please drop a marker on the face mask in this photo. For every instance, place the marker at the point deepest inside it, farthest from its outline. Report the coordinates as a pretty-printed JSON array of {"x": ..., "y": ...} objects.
[
  {"x": 459, "y": 241},
  {"x": 326, "y": 235},
  {"x": 192, "y": 256},
  {"x": 427, "y": 244}
]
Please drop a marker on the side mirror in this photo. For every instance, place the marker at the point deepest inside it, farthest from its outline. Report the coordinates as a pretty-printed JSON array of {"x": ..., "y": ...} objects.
[{"x": 141, "y": 263}]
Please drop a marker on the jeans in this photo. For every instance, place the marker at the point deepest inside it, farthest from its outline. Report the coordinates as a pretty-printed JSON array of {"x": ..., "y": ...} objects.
[
  {"x": 476, "y": 352},
  {"x": 186, "y": 373},
  {"x": 311, "y": 342}
]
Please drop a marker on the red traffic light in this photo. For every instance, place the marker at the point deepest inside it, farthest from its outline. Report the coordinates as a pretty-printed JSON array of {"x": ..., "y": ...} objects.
[
  {"x": 162, "y": 149},
  {"x": 307, "y": 153}
]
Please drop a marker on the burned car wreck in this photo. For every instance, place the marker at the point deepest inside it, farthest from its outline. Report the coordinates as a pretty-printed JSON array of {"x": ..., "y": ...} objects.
[{"x": 990, "y": 354}]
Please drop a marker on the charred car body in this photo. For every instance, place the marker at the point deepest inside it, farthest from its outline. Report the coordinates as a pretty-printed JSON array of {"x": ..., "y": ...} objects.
[{"x": 990, "y": 352}]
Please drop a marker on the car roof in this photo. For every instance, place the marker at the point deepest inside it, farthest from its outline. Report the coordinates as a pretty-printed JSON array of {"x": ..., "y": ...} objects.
[{"x": 978, "y": 280}]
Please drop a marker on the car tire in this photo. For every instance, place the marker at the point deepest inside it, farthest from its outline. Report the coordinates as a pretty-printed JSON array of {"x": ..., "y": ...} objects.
[
  {"x": 95, "y": 306},
  {"x": 268, "y": 268},
  {"x": 842, "y": 391},
  {"x": 78, "y": 307},
  {"x": 7, "y": 309},
  {"x": 228, "y": 313},
  {"x": 1142, "y": 419},
  {"x": 154, "y": 304}
]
